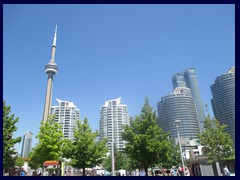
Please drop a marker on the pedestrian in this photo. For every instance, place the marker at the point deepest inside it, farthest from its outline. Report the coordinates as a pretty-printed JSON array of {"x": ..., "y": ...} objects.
[
  {"x": 45, "y": 173},
  {"x": 187, "y": 171},
  {"x": 180, "y": 170},
  {"x": 173, "y": 171},
  {"x": 226, "y": 171},
  {"x": 34, "y": 173},
  {"x": 6, "y": 173},
  {"x": 22, "y": 173}
]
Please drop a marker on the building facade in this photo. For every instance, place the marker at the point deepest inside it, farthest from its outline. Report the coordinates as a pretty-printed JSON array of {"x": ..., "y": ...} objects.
[
  {"x": 67, "y": 115},
  {"x": 26, "y": 144},
  {"x": 223, "y": 100},
  {"x": 113, "y": 116},
  {"x": 179, "y": 105},
  {"x": 188, "y": 78}
]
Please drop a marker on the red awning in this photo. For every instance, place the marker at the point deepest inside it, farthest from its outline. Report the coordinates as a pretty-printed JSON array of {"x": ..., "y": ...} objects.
[{"x": 51, "y": 163}]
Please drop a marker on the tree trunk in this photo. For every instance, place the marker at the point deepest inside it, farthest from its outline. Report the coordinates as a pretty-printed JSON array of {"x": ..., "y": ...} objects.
[
  {"x": 84, "y": 171},
  {"x": 146, "y": 170}
]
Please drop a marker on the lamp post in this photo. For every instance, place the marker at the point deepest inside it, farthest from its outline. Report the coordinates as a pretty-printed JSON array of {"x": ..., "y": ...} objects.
[
  {"x": 177, "y": 122},
  {"x": 113, "y": 162}
]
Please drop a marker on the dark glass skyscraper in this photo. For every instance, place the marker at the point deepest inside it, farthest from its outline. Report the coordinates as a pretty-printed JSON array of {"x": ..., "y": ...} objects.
[
  {"x": 223, "y": 101},
  {"x": 179, "y": 105},
  {"x": 188, "y": 78},
  {"x": 27, "y": 144}
]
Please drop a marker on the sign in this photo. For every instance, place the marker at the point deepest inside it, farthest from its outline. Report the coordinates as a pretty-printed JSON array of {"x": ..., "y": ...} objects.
[{"x": 189, "y": 147}]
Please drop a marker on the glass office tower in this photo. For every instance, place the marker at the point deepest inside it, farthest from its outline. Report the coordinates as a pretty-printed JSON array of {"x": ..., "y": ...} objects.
[
  {"x": 178, "y": 105},
  {"x": 27, "y": 144},
  {"x": 188, "y": 78}
]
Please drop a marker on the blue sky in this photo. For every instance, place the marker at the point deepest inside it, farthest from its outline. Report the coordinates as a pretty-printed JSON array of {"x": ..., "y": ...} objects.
[{"x": 108, "y": 51}]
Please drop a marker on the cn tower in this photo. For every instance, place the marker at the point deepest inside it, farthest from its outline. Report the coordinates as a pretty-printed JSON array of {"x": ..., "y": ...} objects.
[{"x": 51, "y": 69}]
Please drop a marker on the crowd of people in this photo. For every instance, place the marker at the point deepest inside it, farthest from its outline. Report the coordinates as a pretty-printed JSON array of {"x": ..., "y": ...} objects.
[
  {"x": 180, "y": 171},
  {"x": 175, "y": 171},
  {"x": 32, "y": 173}
]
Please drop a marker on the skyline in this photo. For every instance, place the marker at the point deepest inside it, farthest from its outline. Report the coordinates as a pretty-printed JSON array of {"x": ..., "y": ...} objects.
[{"x": 103, "y": 50}]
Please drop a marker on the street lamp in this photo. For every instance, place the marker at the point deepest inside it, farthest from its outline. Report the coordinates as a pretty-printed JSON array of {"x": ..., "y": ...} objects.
[
  {"x": 177, "y": 122},
  {"x": 113, "y": 162}
]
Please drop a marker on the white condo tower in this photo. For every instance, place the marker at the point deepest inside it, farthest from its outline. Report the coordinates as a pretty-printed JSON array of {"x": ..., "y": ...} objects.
[
  {"x": 67, "y": 115},
  {"x": 112, "y": 118}
]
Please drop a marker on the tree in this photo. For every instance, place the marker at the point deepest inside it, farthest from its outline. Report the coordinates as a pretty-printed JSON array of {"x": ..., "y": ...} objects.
[
  {"x": 121, "y": 161},
  {"x": 146, "y": 140},
  {"x": 217, "y": 143},
  {"x": 171, "y": 155},
  {"x": 19, "y": 162},
  {"x": 83, "y": 150},
  {"x": 36, "y": 158},
  {"x": 9, "y": 153},
  {"x": 50, "y": 143}
]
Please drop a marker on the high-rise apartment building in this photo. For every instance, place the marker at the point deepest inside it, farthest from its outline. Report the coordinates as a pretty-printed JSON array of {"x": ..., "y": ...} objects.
[
  {"x": 188, "y": 78},
  {"x": 26, "y": 144},
  {"x": 223, "y": 100},
  {"x": 113, "y": 116},
  {"x": 178, "y": 105},
  {"x": 67, "y": 115}
]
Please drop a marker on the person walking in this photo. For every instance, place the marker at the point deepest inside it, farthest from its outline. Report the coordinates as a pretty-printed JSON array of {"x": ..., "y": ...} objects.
[
  {"x": 187, "y": 171},
  {"x": 6, "y": 173},
  {"x": 45, "y": 173},
  {"x": 226, "y": 171},
  {"x": 22, "y": 173},
  {"x": 181, "y": 170},
  {"x": 174, "y": 171}
]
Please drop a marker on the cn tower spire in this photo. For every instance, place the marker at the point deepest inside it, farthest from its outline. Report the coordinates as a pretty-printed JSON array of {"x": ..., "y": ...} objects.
[
  {"x": 51, "y": 69},
  {"x": 54, "y": 45},
  {"x": 55, "y": 36}
]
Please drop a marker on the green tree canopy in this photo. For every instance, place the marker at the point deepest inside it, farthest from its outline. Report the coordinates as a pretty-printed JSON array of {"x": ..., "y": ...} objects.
[
  {"x": 9, "y": 127},
  {"x": 50, "y": 143},
  {"x": 36, "y": 158},
  {"x": 146, "y": 140},
  {"x": 217, "y": 143},
  {"x": 122, "y": 161},
  {"x": 170, "y": 155},
  {"x": 84, "y": 151},
  {"x": 19, "y": 162}
]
